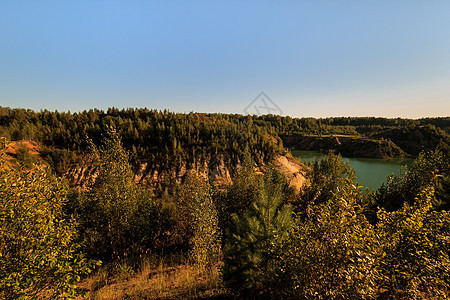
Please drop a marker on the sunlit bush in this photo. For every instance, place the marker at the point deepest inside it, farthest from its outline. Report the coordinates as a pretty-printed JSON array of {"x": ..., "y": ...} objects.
[
  {"x": 195, "y": 198},
  {"x": 39, "y": 255},
  {"x": 416, "y": 243},
  {"x": 330, "y": 255}
]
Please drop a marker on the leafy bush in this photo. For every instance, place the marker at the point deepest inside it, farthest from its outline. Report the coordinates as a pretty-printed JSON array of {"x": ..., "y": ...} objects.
[
  {"x": 118, "y": 218},
  {"x": 239, "y": 196},
  {"x": 404, "y": 187},
  {"x": 39, "y": 255},
  {"x": 332, "y": 251},
  {"x": 24, "y": 157},
  {"x": 196, "y": 200},
  {"x": 325, "y": 177},
  {"x": 330, "y": 255},
  {"x": 336, "y": 254},
  {"x": 416, "y": 245}
]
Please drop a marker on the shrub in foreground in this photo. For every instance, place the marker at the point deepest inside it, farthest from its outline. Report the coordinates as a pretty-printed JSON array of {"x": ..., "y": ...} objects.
[
  {"x": 196, "y": 200},
  {"x": 117, "y": 217},
  {"x": 39, "y": 255},
  {"x": 416, "y": 243},
  {"x": 333, "y": 254}
]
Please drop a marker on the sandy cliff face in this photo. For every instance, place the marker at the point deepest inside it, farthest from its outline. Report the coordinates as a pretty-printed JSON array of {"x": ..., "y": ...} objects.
[
  {"x": 292, "y": 169},
  {"x": 221, "y": 174},
  {"x": 215, "y": 168},
  {"x": 24, "y": 153},
  {"x": 149, "y": 176},
  {"x": 13, "y": 147},
  {"x": 83, "y": 172}
]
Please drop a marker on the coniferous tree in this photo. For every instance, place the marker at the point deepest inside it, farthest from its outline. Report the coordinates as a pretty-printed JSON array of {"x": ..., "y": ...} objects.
[{"x": 247, "y": 256}]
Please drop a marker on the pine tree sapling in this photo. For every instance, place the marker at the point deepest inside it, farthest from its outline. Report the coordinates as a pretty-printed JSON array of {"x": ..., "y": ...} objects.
[{"x": 247, "y": 254}]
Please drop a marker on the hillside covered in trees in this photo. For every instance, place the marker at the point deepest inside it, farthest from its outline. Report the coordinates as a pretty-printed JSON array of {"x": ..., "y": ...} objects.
[
  {"x": 254, "y": 236},
  {"x": 163, "y": 144}
]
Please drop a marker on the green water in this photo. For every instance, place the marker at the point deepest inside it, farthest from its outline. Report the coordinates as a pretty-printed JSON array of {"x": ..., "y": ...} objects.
[{"x": 370, "y": 172}]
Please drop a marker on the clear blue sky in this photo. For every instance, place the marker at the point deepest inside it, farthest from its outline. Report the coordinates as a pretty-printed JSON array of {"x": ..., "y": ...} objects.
[{"x": 312, "y": 58}]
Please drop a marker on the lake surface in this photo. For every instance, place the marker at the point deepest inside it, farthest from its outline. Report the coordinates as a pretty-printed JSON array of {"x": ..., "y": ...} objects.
[{"x": 370, "y": 172}]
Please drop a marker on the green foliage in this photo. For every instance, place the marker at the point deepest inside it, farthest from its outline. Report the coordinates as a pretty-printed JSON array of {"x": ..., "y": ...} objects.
[
  {"x": 330, "y": 255},
  {"x": 247, "y": 257},
  {"x": 336, "y": 254},
  {"x": 404, "y": 187},
  {"x": 162, "y": 139},
  {"x": 167, "y": 141},
  {"x": 24, "y": 157},
  {"x": 333, "y": 252},
  {"x": 196, "y": 199},
  {"x": 117, "y": 217},
  {"x": 39, "y": 255},
  {"x": 61, "y": 159},
  {"x": 325, "y": 178},
  {"x": 416, "y": 245},
  {"x": 239, "y": 196},
  {"x": 329, "y": 251},
  {"x": 417, "y": 138}
]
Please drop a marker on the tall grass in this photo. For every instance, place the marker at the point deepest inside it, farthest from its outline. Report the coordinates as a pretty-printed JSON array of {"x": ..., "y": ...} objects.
[{"x": 154, "y": 277}]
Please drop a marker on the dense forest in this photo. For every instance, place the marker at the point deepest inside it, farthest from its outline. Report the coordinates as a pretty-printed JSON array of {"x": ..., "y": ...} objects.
[
  {"x": 168, "y": 141},
  {"x": 257, "y": 237},
  {"x": 67, "y": 129}
]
